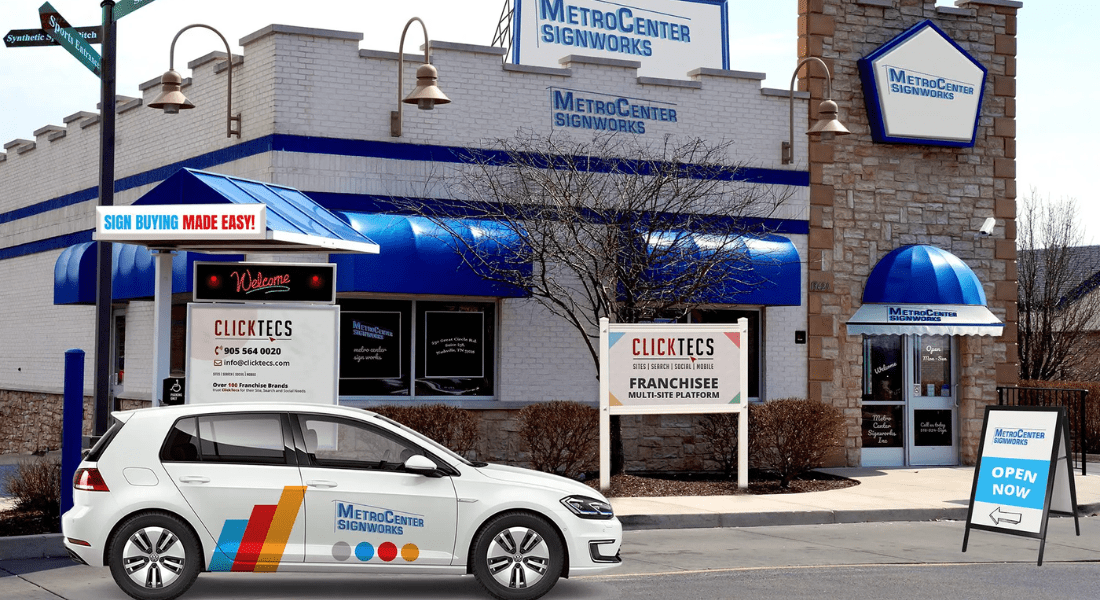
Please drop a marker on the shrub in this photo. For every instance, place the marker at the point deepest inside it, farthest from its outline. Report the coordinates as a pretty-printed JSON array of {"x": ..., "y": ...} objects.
[
  {"x": 452, "y": 427},
  {"x": 36, "y": 485},
  {"x": 791, "y": 436},
  {"x": 719, "y": 431},
  {"x": 561, "y": 436}
]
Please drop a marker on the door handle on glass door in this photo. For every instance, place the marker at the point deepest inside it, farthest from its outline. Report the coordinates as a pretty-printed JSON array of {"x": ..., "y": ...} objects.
[{"x": 321, "y": 483}]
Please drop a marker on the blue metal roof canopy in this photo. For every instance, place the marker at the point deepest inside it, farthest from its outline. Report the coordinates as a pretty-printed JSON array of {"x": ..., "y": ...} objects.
[
  {"x": 923, "y": 289},
  {"x": 295, "y": 223}
]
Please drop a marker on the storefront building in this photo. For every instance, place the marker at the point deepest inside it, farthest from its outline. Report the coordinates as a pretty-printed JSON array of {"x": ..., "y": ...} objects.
[{"x": 316, "y": 118}]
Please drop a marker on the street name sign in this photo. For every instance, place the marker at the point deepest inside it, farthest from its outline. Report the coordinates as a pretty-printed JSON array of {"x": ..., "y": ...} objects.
[
  {"x": 26, "y": 38},
  {"x": 1023, "y": 473},
  {"x": 69, "y": 38},
  {"x": 125, "y": 7}
]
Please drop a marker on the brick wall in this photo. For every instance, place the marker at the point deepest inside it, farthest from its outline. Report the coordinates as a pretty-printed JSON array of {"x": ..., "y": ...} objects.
[{"x": 867, "y": 199}]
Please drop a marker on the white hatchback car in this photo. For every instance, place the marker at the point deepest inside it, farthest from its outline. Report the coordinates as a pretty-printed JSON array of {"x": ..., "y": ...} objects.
[{"x": 169, "y": 492}]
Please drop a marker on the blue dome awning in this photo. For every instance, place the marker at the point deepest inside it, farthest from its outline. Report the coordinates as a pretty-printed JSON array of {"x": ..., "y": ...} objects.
[
  {"x": 418, "y": 256},
  {"x": 922, "y": 289},
  {"x": 132, "y": 269}
]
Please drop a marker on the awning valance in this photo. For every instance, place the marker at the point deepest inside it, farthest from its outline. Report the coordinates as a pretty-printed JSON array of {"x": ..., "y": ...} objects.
[
  {"x": 132, "y": 268},
  {"x": 762, "y": 270},
  {"x": 921, "y": 289},
  {"x": 418, "y": 256}
]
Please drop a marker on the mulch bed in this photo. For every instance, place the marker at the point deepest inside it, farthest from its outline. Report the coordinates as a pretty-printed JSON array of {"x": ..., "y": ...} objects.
[
  {"x": 706, "y": 484},
  {"x": 28, "y": 522}
]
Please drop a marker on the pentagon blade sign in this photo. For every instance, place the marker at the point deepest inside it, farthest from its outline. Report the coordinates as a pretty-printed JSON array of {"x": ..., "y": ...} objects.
[{"x": 1023, "y": 473}]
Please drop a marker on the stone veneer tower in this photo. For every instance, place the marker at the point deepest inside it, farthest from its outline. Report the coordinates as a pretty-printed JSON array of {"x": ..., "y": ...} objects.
[{"x": 867, "y": 199}]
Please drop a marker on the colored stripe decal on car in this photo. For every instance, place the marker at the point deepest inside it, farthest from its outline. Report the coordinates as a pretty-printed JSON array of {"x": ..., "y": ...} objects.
[
  {"x": 285, "y": 514},
  {"x": 257, "y": 545}
]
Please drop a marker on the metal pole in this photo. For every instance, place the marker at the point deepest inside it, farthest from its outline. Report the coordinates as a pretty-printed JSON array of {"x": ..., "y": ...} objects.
[
  {"x": 106, "y": 198},
  {"x": 72, "y": 424}
]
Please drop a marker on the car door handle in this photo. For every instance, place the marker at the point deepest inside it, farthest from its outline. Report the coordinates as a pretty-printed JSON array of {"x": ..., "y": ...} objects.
[
  {"x": 194, "y": 479},
  {"x": 321, "y": 483}
]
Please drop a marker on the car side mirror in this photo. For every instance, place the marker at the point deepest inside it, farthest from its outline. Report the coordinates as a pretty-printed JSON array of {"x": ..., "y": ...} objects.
[{"x": 418, "y": 463}]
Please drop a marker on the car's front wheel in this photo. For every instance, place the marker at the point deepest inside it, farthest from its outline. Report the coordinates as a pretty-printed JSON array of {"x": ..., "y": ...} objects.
[
  {"x": 154, "y": 556},
  {"x": 517, "y": 556}
]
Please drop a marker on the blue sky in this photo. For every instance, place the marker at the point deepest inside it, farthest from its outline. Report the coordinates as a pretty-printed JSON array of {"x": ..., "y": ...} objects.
[{"x": 1056, "y": 91}]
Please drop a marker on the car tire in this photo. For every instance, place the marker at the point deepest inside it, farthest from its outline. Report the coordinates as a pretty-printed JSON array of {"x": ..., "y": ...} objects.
[
  {"x": 517, "y": 556},
  {"x": 154, "y": 556}
]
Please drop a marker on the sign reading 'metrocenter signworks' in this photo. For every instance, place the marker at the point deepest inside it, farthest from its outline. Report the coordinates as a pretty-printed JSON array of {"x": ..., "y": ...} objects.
[
  {"x": 667, "y": 368},
  {"x": 258, "y": 352},
  {"x": 1023, "y": 473}
]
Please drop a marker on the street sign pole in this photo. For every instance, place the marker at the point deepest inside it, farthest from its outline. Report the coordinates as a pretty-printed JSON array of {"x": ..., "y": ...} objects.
[{"x": 103, "y": 299}]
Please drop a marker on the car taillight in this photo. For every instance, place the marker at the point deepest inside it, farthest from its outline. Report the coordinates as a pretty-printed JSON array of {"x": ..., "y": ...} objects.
[{"x": 89, "y": 480}]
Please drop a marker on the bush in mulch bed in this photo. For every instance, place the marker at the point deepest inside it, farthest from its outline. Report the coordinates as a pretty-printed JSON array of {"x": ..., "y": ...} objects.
[
  {"x": 36, "y": 488},
  {"x": 713, "y": 484}
]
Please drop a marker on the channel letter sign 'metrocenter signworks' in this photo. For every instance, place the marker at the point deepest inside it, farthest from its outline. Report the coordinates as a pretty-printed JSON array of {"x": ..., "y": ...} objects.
[
  {"x": 668, "y": 37},
  {"x": 262, "y": 353},
  {"x": 670, "y": 368},
  {"x": 1023, "y": 473},
  {"x": 923, "y": 88}
]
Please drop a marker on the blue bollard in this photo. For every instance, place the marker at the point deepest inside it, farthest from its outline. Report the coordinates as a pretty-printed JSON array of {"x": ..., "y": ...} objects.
[{"x": 72, "y": 424}]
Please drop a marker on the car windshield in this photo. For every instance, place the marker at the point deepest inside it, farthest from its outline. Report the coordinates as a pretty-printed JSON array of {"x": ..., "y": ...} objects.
[{"x": 430, "y": 442}]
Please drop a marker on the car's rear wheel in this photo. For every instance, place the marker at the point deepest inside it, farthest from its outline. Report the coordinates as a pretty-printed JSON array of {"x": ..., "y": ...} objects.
[
  {"x": 154, "y": 556},
  {"x": 517, "y": 556}
]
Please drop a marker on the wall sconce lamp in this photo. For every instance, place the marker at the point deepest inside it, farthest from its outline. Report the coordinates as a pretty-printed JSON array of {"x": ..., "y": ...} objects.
[
  {"x": 172, "y": 100},
  {"x": 426, "y": 94},
  {"x": 827, "y": 122}
]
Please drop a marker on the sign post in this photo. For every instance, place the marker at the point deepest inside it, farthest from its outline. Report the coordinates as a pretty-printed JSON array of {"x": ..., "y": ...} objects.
[
  {"x": 1023, "y": 473},
  {"x": 662, "y": 368}
]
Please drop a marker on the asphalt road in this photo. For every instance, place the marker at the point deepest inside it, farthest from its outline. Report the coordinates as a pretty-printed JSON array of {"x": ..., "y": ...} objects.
[{"x": 900, "y": 561}]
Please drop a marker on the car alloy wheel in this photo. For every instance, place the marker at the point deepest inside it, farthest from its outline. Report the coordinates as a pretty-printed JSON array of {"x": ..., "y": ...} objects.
[
  {"x": 154, "y": 557},
  {"x": 517, "y": 556}
]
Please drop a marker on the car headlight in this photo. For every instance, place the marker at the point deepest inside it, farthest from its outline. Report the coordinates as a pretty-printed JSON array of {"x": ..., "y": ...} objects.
[{"x": 588, "y": 508}]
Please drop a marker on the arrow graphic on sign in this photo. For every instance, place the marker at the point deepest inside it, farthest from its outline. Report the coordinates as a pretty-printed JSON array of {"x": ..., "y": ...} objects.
[{"x": 999, "y": 516}]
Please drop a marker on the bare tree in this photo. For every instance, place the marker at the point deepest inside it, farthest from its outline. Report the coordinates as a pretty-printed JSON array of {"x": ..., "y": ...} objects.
[
  {"x": 1057, "y": 282},
  {"x": 608, "y": 227}
]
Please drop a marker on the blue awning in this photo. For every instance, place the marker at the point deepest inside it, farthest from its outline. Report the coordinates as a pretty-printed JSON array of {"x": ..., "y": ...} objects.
[
  {"x": 922, "y": 289},
  {"x": 295, "y": 223},
  {"x": 762, "y": 270},
  {"x": 418, "y": 256},
  {"x": 74, "y": 273}
]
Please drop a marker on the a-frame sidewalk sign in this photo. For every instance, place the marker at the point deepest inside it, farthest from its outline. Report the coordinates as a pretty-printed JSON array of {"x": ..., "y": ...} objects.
[{"x": 1023, "y": 473}]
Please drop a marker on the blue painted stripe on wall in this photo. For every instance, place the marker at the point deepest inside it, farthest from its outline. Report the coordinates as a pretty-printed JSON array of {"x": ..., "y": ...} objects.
[
  {"x": 363, "y": 148},
  {"x": 45, "y": 245}
]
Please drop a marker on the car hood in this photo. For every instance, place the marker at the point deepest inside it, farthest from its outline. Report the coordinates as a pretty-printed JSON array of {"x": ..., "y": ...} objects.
[{"x": 537, "y": 478}]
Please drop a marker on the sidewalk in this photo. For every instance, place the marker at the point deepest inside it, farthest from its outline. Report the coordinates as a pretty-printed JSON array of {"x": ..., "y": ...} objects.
[{"x": 883, "y": 494}]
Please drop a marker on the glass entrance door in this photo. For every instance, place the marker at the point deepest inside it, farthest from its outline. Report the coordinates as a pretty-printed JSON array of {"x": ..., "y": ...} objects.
[{"x": 932, "y": 408}]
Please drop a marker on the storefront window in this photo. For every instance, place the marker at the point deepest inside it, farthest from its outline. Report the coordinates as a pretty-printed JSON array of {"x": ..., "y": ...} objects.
[
  {"x": 882, "y": 368},
  {"x": 753, "y": 347},
  {"x": 932, "y": 357},
  {"x": 451, "y": 344}
]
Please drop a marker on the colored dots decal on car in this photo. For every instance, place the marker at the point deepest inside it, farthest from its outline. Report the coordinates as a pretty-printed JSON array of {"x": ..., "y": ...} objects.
[
  {"x": 365, "y": 551},
  {"x": 410, "y": 552},
  {"x": 387, "y": 551},
  {"x": 341, "y": 551}
]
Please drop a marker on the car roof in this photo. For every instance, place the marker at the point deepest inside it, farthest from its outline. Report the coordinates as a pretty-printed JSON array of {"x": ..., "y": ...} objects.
[{"x": 175, "y": 412}]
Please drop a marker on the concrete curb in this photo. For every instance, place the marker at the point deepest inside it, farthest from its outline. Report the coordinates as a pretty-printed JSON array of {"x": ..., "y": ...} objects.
[
  {"x": 809, "y": 517},
  {"x": 47, "y": 545}
]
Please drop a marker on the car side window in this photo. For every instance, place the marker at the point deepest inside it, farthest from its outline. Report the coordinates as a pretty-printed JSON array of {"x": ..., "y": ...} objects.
[
  {"x": 182, "y": 443},
  {"x": 243, "y": 439},
  {"x": 342, "y": 443}
]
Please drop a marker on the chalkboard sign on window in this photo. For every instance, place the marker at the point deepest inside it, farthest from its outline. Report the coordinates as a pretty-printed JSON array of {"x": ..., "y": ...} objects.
[
  {"x": 932, "y": 428},
  {"x": 454, "y": 344},
  {"x": 370, "y": 345},
  {"x": 882, "y": 426}
]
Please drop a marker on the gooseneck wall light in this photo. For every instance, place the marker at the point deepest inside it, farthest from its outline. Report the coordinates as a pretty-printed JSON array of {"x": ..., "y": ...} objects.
[
  {"x": 172, "y": 100},
  {"x": 427, "y": 94},
  {"x": 827, "y": 110}
]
